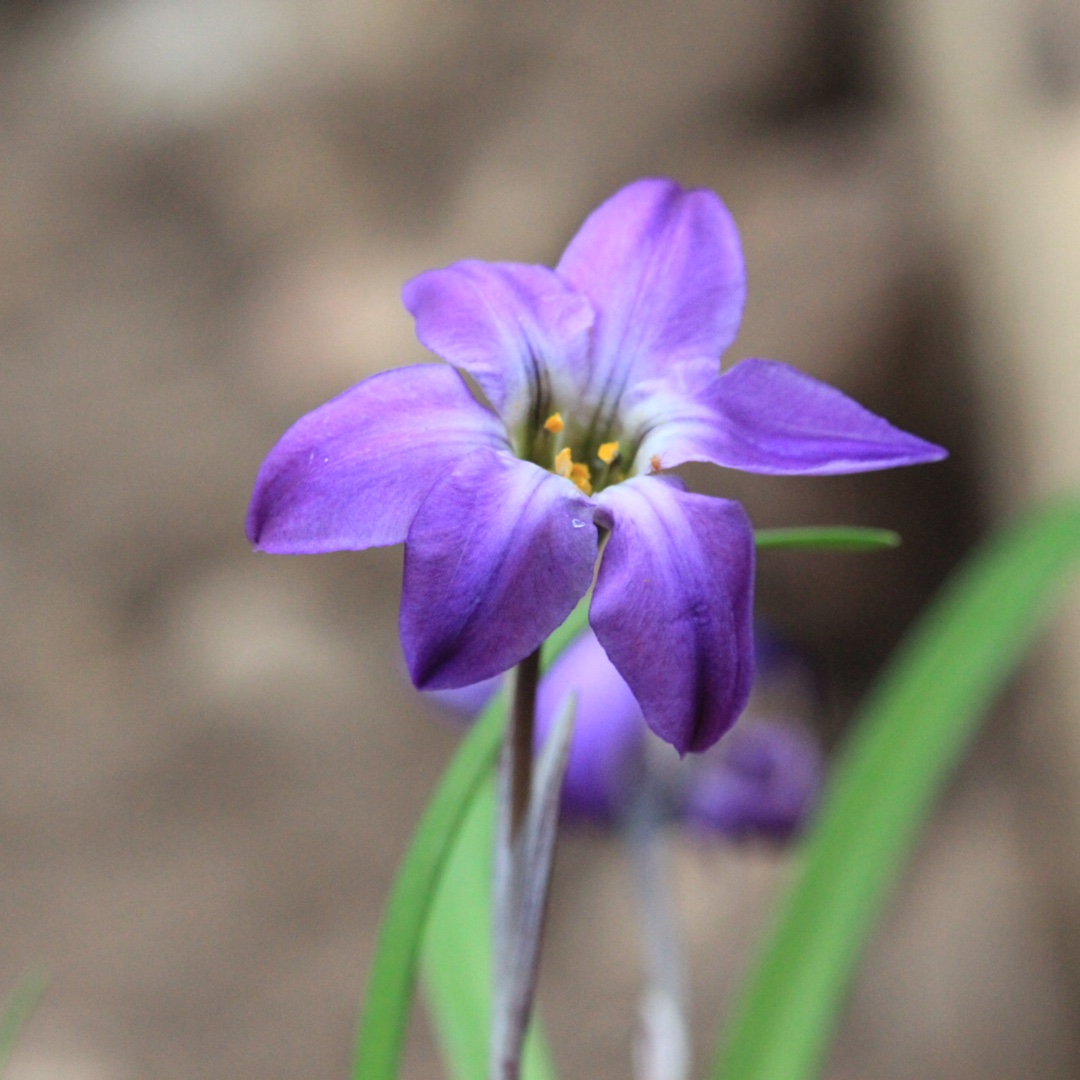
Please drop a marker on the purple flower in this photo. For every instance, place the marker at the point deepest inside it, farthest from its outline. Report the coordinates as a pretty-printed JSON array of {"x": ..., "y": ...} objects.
[
  {"x": 598, "y": 375},
  {"x": 607, "y": 761},
  {"x": 761, "y": 781}
]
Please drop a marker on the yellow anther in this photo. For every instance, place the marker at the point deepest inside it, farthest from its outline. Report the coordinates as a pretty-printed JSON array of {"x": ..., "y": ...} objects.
[
  {"x": 608, "y": 452},
  {"x": 554, "y": 423},
  {"x": 579, "y": 474},
  {"x": 574, "y": 471},
  {"x": 655, "y": 463}
]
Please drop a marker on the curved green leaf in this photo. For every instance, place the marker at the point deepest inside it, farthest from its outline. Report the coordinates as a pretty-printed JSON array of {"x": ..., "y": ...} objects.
[
  {"x": 20, "y": 1007},
  {"x": 393, "y": 969},
  {"x": 828, "y": 538},
  {"x": 385, "y": 1016},
  {"x": 914, "y": 727},
  {"x": 456, "y": 958}
]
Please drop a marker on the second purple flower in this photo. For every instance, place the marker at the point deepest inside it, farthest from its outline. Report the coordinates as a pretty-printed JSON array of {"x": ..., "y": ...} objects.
[{"x": 598, "y": 376}]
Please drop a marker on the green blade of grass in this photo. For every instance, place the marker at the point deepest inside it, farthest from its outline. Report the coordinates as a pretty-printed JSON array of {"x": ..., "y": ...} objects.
[
  {"x": 914, "y": 727},
  {"x": 828, "y": 538},
  {"x": 456, "y": 955},
  {"x": 20, "y": 1007},
  {"x": 387, "y": 1004},
  {"x": 456, "y": 958}
]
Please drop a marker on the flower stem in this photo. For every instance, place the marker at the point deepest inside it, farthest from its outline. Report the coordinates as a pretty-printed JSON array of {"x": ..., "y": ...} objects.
[
  {"x": 528, "y": 812},
  {"x": 663, "y": 1052},
  {"x": 518, "y": 750}
]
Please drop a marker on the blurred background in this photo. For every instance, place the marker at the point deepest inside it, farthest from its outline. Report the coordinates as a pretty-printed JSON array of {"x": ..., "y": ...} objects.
[{"x": 210, "y": 761}]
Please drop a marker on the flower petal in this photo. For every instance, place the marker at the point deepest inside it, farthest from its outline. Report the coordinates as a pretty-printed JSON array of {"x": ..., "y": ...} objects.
[
  {"x": 520, "y": 331},
  {"x": 467, "y": 702},
  {"x": 351, "y": 474},
  {"x": 664, "y": 270},
  {"x": 673, "y": 607},
  {"x": 498, "y": 555},
  {"x": 607, "y": 752},
  {"x": 766, "y": 417}
]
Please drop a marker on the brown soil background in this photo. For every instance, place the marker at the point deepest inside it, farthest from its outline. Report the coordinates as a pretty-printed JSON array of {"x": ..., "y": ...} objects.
[{"x": 211, "y": 760}]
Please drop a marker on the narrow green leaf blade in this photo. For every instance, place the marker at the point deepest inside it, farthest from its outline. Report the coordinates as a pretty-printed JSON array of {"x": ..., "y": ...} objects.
[
  {"x": 393, "y": 970},
  {"x": 828, "y": 538},
  {"x": 20, "y": 1007},
  {"x": 456, "y": 959},
  {"x": 385, "y": 1015},
  {"x": 914, "y": 727}
]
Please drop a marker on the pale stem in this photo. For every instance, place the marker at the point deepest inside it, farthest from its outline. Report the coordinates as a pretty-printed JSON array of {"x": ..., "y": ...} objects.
[
  {"x": 517, "y": 884},
  {"x": 663, "y": 1052}
]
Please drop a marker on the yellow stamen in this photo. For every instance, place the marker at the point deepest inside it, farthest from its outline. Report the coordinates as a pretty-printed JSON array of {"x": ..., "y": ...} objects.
[
  {"x": 554, "y": 423},
  {"x": 608, "y": 452},
  {"x": 654, "y": 463},
  {"x": 579, "y": 474},
  {"x": 574, "y": 471}
]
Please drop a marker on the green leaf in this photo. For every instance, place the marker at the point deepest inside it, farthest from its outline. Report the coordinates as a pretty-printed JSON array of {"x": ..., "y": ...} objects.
[
  {"x": 20, "y": 1007},
  {"x": 456, "y": 959},
  {"x": 393, "y": 969},
  {"x": 385, "y": 1016},
  {"x": 914, "y": 727},
  {"x": 828, "y": 538}
]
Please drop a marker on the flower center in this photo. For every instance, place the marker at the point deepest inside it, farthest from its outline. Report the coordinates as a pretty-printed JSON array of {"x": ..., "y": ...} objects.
[
  {"x": 608, "y": 452},
  {"x": 591, "y": 472},
  {"x": 574, "y": 471}
]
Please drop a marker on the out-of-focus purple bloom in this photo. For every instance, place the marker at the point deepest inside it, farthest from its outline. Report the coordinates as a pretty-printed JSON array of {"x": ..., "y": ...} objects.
[
  {"x": 468, "y": 701},
  {"x": 760, "y": 781},
  {"x": 599, "y": 374},
  {"x": 607, "y": 752}
]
